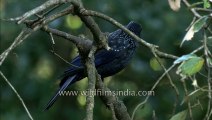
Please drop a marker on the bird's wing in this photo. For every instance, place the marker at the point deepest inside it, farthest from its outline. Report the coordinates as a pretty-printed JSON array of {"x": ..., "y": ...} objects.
[
  {"x": 104, "y": 56},
  {"x": 101, "y": 57}
]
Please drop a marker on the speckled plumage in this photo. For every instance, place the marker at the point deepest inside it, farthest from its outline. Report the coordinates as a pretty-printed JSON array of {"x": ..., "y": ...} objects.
[{"x": 107, "y": 62}]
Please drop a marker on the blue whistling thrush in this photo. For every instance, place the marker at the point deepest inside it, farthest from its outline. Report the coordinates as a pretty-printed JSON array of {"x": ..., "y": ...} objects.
[{"x": 107, "y": 62}]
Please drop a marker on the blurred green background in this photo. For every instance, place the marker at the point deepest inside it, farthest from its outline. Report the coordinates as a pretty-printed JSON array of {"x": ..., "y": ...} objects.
[{"x": 34, "y": 70}]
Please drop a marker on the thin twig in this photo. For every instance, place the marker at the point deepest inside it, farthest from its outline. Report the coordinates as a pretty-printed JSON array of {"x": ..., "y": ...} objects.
[
  {"x": 192, "y": 9},
  {"x": 22, "y": 36},
  {"x": 209, "y": 116},
  {"x": 153, "y": 87},
  {"x": 209, "y": 75},
  {"x": 187, "y": 95},
  {"x": 52, "y": 9},
  {"x": 154, "y": 115},
  {"x": 170, "y": 81},
  {"x": 197, "y": 50},
  {"x": 19, "y": 97},
  {"x": 192, "y": 22},
  {"x": 62, "y": 34},
  {"x": 51, "y": 18},
  {"x": 38, "y": 9},
  {"x": 52, "y": 38},
  {"x": 203, "y": 9},
  {"x": 63, "y": 59}
]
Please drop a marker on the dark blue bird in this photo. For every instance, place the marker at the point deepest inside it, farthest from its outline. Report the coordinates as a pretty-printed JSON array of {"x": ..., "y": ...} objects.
[{"x": 107, "y": 62}]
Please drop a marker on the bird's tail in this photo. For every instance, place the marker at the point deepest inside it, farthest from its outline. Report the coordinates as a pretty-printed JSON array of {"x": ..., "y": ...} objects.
[{"x": 62, "y": 88}]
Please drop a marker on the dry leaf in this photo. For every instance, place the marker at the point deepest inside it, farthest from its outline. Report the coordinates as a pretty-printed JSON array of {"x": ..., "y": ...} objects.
[
  {"x": 195, "y": 28},
  {"x": 194, "y": 83},
  {"x": 174, "y": 4},
  {"x": 189, "y": 35}
]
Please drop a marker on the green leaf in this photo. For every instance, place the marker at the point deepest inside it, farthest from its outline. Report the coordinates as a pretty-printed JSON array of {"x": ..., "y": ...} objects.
[
  {"x": 199, "y": 94},
  {"x": 191, "y": 66},
  {"x": 81, "y": 100},
  {"x": 155, "y": 65},
  {"x": 199, "y": 23},
  {"x": 73, "y": 22},
  {"x": 206, "y": 4},
  {"x": 180, "y": 116}
]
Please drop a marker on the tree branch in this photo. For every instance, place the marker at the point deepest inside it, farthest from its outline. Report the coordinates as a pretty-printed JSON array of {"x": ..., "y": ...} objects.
[
  {"x": 38, "y": 9},
  {"x": 141, "y": 41},
  {"x": 99, "y": 38},
  {"x": 91, "y": 72},
  {"x": 120, "y": 109}
]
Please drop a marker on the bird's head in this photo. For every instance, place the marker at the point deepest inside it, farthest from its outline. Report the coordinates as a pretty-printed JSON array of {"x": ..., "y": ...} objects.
[{"x": 134, "y": 27}]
